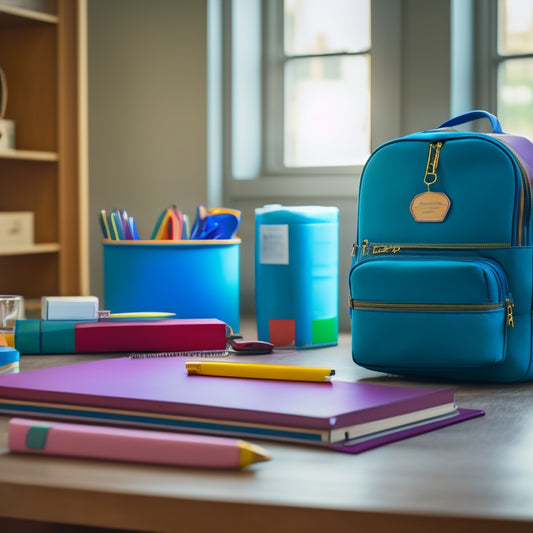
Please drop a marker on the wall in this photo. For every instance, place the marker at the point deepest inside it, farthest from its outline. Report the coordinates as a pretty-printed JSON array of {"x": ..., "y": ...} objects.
[
  {"x": 426, "y": 63},
  {"x": 148, "y": 118},
  {"x": 147, "y": 111}
]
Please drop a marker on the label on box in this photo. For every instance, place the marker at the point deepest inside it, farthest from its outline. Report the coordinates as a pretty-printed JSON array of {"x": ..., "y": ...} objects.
[
  {"x": 274, "y": 244},
  {"x": 16, "y": 228}
]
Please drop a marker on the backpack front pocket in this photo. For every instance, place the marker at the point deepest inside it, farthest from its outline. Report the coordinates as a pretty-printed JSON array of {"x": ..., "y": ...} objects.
[{"x": 428, "y": 312}]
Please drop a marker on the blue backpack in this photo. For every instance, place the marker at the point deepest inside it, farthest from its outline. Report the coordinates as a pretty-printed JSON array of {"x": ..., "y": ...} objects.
[{"x": 441, "y": 282}]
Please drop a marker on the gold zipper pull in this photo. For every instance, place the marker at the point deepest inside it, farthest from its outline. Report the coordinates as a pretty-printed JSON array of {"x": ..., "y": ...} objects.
[
  {"x": 385, "y": 248},
  {"x": 510, "y": 305},
  {"x": 364, "y": 245},
  {"x": 433, "y": 161}
]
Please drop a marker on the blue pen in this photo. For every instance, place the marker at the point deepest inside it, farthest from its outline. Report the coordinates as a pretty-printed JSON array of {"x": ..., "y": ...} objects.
[
  {"x": 218, "y": 226},
  {"x": 228, "y": 225},
  {"x": 133, "y": 228},
  {"x": 125, "y": 225},
  {"x": 197, "y": 226},
  {"x": 117, "y": 226},
  {"x": 121, "y": 216},
  {"x": 210, "y": 228}
]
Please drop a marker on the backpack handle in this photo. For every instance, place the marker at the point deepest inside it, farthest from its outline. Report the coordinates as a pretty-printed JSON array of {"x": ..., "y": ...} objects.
[{"x": 474, "y": 115}]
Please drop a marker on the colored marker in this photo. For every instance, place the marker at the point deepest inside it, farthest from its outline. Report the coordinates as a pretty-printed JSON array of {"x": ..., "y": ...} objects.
[
  {"x": 131, "y": 445},
  {"x": 140, "y": 315},
  {"x": 34, "y": 336},
  {"x": 104, "y": 226},
  {"x": 259, "y": 371}
]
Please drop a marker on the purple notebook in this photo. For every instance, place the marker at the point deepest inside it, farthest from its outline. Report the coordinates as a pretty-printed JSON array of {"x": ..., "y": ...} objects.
[{"x": 158, "y": 393}]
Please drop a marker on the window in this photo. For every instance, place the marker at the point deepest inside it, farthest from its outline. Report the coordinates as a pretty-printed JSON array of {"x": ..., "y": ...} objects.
[
  {"x": 300, "y": 82},
  {"x": 324, "y": 57},
  {"x": 515, "y": 66}
]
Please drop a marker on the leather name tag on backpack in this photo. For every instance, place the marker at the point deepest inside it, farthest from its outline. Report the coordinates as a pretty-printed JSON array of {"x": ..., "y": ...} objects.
[{"x": 430, "y": 206}]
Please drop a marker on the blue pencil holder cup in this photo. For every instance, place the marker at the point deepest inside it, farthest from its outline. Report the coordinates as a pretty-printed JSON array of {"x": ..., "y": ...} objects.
[
  {"x": 297, "y": 275},
  {"x": 193, "y": 279}
]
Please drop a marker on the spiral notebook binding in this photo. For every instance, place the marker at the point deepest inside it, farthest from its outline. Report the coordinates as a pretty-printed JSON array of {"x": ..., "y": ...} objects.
[{"x": 197, "y": 353}]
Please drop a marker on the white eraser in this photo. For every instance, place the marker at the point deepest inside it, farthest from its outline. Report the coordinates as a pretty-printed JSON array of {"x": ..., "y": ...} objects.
[{"x": 69, "y": 307}]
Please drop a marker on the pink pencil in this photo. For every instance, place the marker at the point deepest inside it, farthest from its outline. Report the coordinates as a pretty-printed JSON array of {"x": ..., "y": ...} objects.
[{"x": 134, "y": 445}]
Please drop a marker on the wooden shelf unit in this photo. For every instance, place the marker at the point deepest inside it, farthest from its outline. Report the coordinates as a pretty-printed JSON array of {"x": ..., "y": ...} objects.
[{"x": 41, "y": 53}]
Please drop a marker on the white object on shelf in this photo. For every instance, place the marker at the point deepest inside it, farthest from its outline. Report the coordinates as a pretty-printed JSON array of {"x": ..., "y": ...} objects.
[
  {"x": 16, "y": 228},
  {"x": 7, "y": 135},
  {"x": 69, "y": 307}
]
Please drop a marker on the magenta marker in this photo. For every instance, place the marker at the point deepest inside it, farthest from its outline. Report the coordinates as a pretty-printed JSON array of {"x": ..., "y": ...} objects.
[{"x": 34, "y": 336}]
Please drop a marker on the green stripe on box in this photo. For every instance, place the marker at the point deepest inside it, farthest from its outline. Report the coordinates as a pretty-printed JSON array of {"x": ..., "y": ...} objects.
[{"x": 325, "y": 330}]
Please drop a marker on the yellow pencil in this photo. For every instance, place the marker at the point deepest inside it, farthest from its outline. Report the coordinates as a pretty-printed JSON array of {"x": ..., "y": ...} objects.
[
  {"x": 141, "y": 315},
  {"x": 259, "y": 371}
]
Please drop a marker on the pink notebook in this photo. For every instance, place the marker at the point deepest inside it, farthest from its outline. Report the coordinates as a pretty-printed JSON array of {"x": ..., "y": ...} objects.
[{"x": 158, "y": 393}]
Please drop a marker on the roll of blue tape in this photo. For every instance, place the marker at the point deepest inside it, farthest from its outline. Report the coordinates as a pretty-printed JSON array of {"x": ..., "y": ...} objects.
[{"x": 9, "y": 359}]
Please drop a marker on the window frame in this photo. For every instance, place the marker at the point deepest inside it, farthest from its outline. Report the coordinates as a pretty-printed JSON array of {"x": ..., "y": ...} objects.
[
  {"x": 488, "y": 57},
  {"x": 385, "y": 110},
  {"x": 274, "y": 97}
]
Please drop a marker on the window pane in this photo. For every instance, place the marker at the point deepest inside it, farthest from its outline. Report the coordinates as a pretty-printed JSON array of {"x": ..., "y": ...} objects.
[
  {"x": 515, "y": 26},
  {"x": 515, "y": 96},
  {"x": 246, "y": 88},
  {"x": 325, "y": 26},
  {"x": 327, "y": 111}
]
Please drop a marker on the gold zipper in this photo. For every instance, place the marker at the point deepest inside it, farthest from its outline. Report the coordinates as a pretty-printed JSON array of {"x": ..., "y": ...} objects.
[
  {"x": 432, "y": 163},
  {"x": 508, "y": 305},
  {"x": 430, "y": 178},
  {"x": 380, "y": 248},
  {"x": 361, "y": 304},
  {"x": 526, "y": 187}
]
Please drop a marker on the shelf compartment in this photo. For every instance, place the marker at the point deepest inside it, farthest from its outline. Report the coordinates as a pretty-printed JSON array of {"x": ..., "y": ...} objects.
[
  {"x": 32, "y": 186},
  {"x": 40, "y": 248},
  {"x": 28, "y": 12},
  {"x": 28, "y": 56},
  {"x": 30, "y": 277},
  {"x": 42, "y": 52},
  {"x": 29, "y": 155}
]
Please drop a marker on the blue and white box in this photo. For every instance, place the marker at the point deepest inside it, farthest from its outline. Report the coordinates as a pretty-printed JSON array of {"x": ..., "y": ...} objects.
[{"x": 69, "y": 307}]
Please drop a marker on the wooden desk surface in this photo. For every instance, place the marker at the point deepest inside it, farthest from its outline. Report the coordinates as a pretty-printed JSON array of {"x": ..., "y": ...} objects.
[{"x": 473, "y": 475}]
